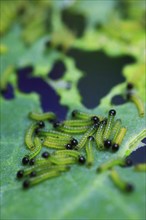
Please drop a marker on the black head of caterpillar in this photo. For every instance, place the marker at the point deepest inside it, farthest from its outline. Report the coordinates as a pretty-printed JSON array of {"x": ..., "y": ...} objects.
[
  {"x": 112, "y": 112},
  {"x": 107, "y": 144},
  {"x": 74, "y": 142},
  {"x": 25, "y": 160},
  {"x": 41, "y": 124},
  {"x": 82, "y": 160},
  {"x": 95, "y": 119},
  {"x": 130, "y": 86},
  {"x": 69, "y": 147},
  {"x": 56, "y": 124},
  {"x": 45, "y": 154}
]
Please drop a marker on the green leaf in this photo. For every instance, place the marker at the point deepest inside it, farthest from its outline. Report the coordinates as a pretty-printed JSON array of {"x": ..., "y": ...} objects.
[
  {"x": 9, "y": 60},
  {"x": 80, "y": 193}
]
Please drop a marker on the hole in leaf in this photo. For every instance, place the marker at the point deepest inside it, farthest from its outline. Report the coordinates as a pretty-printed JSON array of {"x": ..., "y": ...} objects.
[
  {"x": 101, "y": 74},
  {"x": 144, "y": 140},
  {"x": 48, "y": 97},
  {"x": 75, "y": 22},
  {"x": 138, "y": 156},
  {"x": 58, "y": 70},
  {"x": 118, "y": 100},
  {"x": 8, "y": 93}
]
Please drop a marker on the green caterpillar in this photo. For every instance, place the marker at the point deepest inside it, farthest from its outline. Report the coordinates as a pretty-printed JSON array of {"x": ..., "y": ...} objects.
[{"x": 42, "y": 116}]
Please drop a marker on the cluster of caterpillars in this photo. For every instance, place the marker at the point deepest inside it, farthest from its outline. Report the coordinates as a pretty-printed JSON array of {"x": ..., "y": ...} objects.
[{"x": 106, "y": 133}]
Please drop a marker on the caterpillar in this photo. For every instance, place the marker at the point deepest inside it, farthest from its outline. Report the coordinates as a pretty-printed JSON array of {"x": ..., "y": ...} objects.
[
  {"x": 58, "y": 140},
  {"x": 89, "y": 132},
  {"x": 76, "y": 123},
  {"x": 35, "y": 152},
  {"x": 28, "y": 170},
  {"x": 63, "y": 160},
  {"x": 71, "y": 153},
  {"x": 133, "y": 97},
  {"x": 111, "y": 163},
  {"x": 80, "y": 115},
  {"x": 109, "y": 124},
  {"x": 137, "y": 101},
  {"x": 126, "y": 187},
  {"x": 140, "y": 167},
  {"x": 89, "y": 151},
  {"x": 115, "y": 130},
  {"x": 55, "y": 145},
  {"x": 85, "y": 116},
  {"x": 54, "y": 134},
  {"x": 119, "y": 139},
  {"x": 72, "y": 130},
  {"x": 40, "y": 169},
  {"x": 62, "y": 168},
  {"x": 42, "y": 116},
  {"x": 99, "y": 135},
  {"x": 31, "y": 182},
  {"x": 29, "y": 134}
]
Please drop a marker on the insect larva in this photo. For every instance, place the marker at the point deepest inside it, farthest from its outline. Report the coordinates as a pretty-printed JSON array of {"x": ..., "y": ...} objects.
[
  {"x": 38, "y": 179},
  {"x": 61, "y": 160},
  {"x": 42, "y": 170},
  {"x": 72, "y": 130},
  {"x": 42, "y": 161},
  {"x": 88, "y": 133},
  {"x": 80, "y": 115},
  {"x": 119, "y": 139},
  {"x": 140, "y": 167},
  {"x": 115, "y": 130},
  {"x": 55, "y": 134},
  {"x": 76, "y": 123},
  {"x": 138, "y": 102},
  {"x": 42, "y": 116},
  {"x": 28, "y": 137},
  {"x": 58, "y": 140},
  {"x": 109, "y": 124},
  {"x": 85, "y": 116},
  {"x": 35, "y": 152},
  {"x": 111, "y": 163},
  {"x": 39, "y": 164},
  {"x": 71, "y": 153},
  {"x": 126, "y": 187},
  {"x": 61, "y": 168},
  {"x": 89, "y": 151},
  {"x": 99, "y": 135},
  {"x": 55, "y": 145}
]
